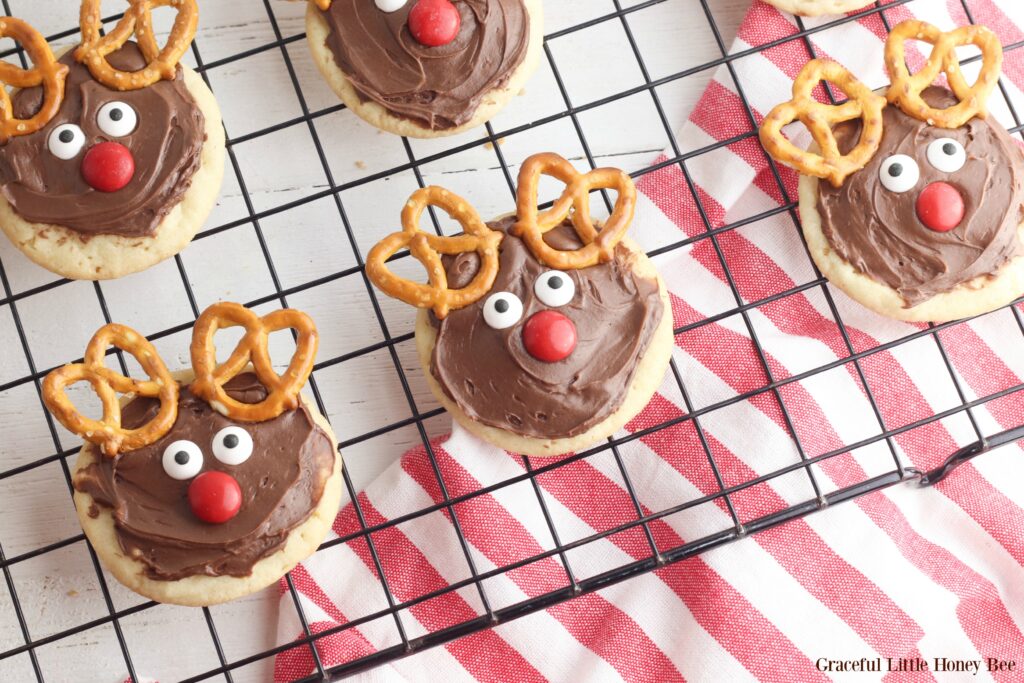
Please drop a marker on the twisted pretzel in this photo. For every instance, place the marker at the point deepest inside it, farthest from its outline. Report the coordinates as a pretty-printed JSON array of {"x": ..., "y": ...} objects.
[
  {"x": 45, "y": 71},
  {"x": 574, "y": 203},
  {"x": 820, "y": 118},
  {"x": 137, "y": 20},
  {"x": 427, "y": 249},
  {"x": 283, "y": 389},
  {"x": 107, "y": 432},
  {"x": 905, "y": 91}
]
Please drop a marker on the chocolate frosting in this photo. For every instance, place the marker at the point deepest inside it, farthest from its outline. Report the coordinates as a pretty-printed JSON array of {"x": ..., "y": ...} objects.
[
  {"x": 438, "y": 87},
  {"x": 879, "y": 232},
  {"x": 494, "y": 380},
  {"x": 281, "y": 482},
  {"x": 166, "y": 145}
]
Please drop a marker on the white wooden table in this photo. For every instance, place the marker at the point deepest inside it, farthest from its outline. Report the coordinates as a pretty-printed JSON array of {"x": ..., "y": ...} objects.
[{"x": 59, "y": 590}]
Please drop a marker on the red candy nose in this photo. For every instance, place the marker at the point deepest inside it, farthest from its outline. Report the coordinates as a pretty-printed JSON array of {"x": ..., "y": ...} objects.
[
  {"x": 549, "y": 336},
  {"x": 434, "y": 22},
  {"x": 940, "y": 207},
  {"x": 215, "y": 497},
  {"x": 108, "y": 166}
]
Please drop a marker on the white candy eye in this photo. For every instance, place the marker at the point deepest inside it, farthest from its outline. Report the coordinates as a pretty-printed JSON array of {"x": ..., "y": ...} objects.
[
  {"x": 502, "y": 309},
  {"x": 232, "y": 445},
  {"x": 66, "y": 141},
  {"x": 390, "y": 5},
  {"x": 182, "y": 460},
  {"x": 554, "y": 288},
  {"x": 899, "y": 173},
  {"x": 947, "y": 155},
  {"x": 117, "y": 119}
]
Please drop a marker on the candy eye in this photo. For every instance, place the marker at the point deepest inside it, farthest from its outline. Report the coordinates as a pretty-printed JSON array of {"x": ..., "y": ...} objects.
[
  {"x": 554, "y": 288},
  {"x": 182, "y": 460},
  {"x": 390, "y": 5},
  {"x": 899, "y": 173},
  {"x": 947, "y": 155},
  {"x": 117, "y": 119},
  {"x": 232, "y": 445},
  {"x": 502, "y": 309},
  {"x": 66, "y": 141}
]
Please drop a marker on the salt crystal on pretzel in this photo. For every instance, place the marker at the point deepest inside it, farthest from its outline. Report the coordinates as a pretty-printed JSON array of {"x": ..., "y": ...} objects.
[
  {"x": 46, "y": 71},
  {"x": 107, "y": 432},
  {"x": 574, "y": 204},
  {"x": 137, "y": 21},
  {"x": 905, "y": 91},
  {"x": 428, "y": 248},
  {"x": 283, "y": 390},
  {"x": 819, "y": 119}
]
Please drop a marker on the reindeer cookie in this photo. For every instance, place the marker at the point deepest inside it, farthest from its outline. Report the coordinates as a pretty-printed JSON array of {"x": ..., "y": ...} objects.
[
  {"x": 425, "y": 68},
  {"x": 542, "y": 333},
  {"x": 111, "y": 157},
  {"x": 202, "y": 487},
  {"x": 920, "y": 217}
]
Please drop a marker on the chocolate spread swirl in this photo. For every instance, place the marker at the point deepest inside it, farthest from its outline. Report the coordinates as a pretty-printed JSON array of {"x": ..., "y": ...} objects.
[
  {"x": 281, "y": 482},
  {"x": 438, "y": 87},
  {"x": 878, "y": 231},
  {"x": 494, "y": 380},
  {"x": 166, "y": 145}
]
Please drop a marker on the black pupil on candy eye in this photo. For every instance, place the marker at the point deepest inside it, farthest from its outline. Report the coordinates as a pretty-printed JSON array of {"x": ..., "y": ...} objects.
[
  {"x": 949, "y": 148},
  {"x": 230, "y": 441},
  {"x": 555, "y": 282},
  {"x": 116, "y": 114},
  {"x": 501, "y": 305},
  {"x": 181, "y": 457},
  {"x": 66, "y": 136},
  {"x": 895, "y": 170}
]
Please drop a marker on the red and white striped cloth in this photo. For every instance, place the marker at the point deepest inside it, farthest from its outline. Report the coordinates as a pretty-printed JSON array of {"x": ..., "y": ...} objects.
[{"x": 904, "y": 573}]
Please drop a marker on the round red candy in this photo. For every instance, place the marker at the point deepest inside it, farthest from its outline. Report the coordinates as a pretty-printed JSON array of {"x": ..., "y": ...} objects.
[
  {"x": 549, "y": 336},
  {"x": 434, "y": 22},
  {"x": 215, "y": 497},
  {"x": 940, "y": 206},
  {"x": 108, "y": 166}
]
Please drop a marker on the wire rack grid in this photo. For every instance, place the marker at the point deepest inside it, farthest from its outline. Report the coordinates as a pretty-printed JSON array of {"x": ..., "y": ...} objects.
[{"x": 640, "y": 517}]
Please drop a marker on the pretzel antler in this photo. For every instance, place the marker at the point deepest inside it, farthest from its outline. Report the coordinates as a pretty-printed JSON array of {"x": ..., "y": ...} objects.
[
  {"x": 819, "y": 118},
  {"x": 427, "y": 249},
  {"x": 905, "y": 91},
  {"x": 283, "y": 389},
  {"x": 137, "y": 20},
  {"x": 107, "y": 432},
  {"x": 531, "y": 224},
  {"x": 46, "y": 71}
]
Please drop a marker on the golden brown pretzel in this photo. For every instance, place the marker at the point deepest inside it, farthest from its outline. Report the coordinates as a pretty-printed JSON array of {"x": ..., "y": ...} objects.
[
  {"x": 905, "y": 91},
  {"x": 107, "y": 432},
  {"x": 137, "y": 20},
  {"x": 819, "y": 118},
  {"x": 428, "y": 248},
  {"x": 283, "y": 390},
  {"x": 531, "y": 224},
  {"x": 46, "y": 71}
]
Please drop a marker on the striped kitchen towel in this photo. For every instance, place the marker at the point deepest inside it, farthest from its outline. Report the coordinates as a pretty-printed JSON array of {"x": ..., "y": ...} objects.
[{"x": 933, "y": 575}]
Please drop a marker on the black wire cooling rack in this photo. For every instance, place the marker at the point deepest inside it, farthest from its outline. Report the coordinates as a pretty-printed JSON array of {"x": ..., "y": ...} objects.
[{"x": 659, "y": 557}]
